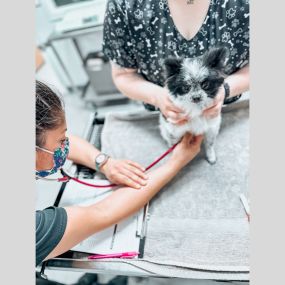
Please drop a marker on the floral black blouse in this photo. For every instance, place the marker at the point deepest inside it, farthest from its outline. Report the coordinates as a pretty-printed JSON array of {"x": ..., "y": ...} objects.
[{"x": 140, "y": 34}]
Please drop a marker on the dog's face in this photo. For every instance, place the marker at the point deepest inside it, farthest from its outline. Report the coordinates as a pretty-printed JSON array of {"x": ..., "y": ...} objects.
[{"x": 195, "y": 81}]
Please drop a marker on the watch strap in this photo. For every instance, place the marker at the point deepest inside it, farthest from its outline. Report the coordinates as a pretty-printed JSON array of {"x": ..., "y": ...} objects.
[
  {"x": 232, "y": 99},
  {"x": 227, "y": 90}
]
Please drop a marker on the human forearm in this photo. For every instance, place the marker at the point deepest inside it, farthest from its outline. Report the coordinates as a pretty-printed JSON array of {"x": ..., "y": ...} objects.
[
  {"x": 134, "y": 86},
  {"x": 118, "y": 171},
  {"x": 85, "y": 221},
  {"x": 238, "y": 81},
  {"x": 126, "y": 201},
  {"x": 82, "y": 152}
]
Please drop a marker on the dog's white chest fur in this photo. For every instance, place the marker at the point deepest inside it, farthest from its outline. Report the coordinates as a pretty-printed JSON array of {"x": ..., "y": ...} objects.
[{"x": 197, "y": 125}]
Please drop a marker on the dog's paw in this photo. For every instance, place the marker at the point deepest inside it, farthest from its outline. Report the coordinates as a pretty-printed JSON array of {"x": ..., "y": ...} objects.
[
  {"x": 211, "y": 161},
  {"x": 211, "y": 156}
]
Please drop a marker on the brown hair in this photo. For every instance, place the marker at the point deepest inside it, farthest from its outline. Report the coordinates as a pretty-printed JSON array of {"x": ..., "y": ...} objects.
[{"x": 49, "y": 111}]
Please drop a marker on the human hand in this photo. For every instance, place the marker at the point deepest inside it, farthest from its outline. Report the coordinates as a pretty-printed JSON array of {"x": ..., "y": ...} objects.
[
  {"x": 174, "y": 114},
  {"x": 187, "y": 149},
  {"x": 125, "y": 172},
  {"x": 215, "y": 109}
]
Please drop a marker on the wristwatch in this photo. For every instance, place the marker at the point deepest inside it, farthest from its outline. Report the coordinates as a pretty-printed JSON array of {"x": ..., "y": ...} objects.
[{"x": 100, "y": 160}]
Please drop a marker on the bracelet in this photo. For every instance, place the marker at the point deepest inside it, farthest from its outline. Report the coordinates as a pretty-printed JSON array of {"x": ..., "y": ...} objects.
[
  {"x": 227, "y": 90},
  {"x": 232, "y": 99}
]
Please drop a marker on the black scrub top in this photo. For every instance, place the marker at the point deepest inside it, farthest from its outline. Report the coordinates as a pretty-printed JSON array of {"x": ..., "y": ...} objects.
[{"x": 140, "y": 34}]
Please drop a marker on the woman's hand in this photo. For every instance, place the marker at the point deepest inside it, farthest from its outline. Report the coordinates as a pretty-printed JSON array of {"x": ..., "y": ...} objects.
[
  {"x": 173, "y": 113},
  {"x": 214, "y": 110},
  {"x": 187, "y": 149},
  {"x": 125, "y": 172}
]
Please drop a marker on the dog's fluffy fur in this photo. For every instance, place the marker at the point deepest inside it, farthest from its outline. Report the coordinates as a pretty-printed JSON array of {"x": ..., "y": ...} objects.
[{"x": 193, "y": 83}]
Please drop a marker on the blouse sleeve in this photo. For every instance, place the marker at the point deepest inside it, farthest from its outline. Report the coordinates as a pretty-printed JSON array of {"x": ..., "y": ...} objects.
[{"x": 117, "y": 40}]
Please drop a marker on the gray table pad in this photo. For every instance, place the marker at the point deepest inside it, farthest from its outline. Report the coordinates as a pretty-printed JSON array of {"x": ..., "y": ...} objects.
[{"x": 197, "y": 221}]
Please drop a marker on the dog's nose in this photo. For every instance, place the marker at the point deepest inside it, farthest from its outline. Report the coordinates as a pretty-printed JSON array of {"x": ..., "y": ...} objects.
[{"x": 196, "y": 99}]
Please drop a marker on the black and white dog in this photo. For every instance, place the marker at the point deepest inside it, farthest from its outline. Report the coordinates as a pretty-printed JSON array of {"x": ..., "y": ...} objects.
[{"x": 193, "y": 83}]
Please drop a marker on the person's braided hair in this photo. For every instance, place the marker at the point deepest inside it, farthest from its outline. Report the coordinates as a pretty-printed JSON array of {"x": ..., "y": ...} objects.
[{"x": 49, "y": 111}]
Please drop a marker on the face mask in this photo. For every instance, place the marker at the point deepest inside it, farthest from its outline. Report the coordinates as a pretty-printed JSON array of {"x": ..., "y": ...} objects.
[{"x": 59, "y": 158}]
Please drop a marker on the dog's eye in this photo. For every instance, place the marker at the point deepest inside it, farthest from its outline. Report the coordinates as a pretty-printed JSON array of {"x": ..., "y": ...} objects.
[
  {"x": 185, "y": 89},
  {"x": 205, "y": 84}
]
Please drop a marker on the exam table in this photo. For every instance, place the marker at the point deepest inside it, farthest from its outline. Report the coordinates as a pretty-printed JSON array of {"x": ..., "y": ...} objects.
[{"x": 77, "y": 261}]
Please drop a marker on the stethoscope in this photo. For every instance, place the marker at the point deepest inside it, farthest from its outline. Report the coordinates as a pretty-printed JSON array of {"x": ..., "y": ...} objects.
[{"x": 66, "y": 177}]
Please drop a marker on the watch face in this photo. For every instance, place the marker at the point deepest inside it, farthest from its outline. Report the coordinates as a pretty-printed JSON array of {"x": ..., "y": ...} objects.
[{"x": 100, "y": 158}]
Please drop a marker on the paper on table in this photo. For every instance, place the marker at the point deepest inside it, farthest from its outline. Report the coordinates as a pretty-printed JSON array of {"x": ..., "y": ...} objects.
[{"x": 118, "y": 238}]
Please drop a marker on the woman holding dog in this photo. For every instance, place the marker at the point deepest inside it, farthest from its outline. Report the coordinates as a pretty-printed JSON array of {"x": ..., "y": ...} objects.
[{"x": 140, "y": 34}]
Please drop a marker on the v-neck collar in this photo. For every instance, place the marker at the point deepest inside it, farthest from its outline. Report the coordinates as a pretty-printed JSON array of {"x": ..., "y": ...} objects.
[{"x": 176, "y": 29}]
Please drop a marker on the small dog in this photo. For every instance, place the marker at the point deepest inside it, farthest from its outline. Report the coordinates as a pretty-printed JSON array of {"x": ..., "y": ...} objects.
[{"x": 193, "y": 83}]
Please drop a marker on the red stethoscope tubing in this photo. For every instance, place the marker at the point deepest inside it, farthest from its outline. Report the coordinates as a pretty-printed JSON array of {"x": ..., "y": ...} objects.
[{"x": 67, "y": 177}]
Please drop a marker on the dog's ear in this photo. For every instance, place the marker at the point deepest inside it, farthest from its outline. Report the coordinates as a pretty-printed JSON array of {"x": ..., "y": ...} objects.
[
  {"x": 216, "y": 58},
  {"x": 172, "y": 66}
]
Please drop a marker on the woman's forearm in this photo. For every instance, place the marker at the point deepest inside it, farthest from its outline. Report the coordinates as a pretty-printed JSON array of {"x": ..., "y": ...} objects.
[
  {"x": 82, "y": 152},
  {"x": 134, "y": 86},
  {"x": 85, "y": 221},
  {"x": 238, "y": 81},
  {"x": 126, "y": 201}
]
